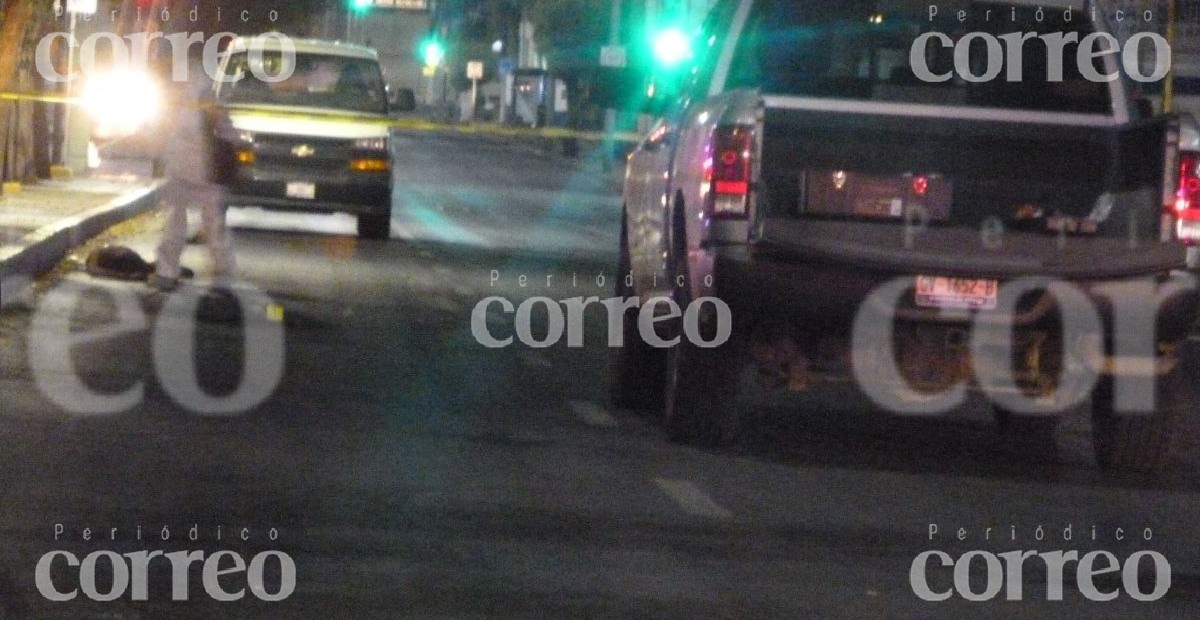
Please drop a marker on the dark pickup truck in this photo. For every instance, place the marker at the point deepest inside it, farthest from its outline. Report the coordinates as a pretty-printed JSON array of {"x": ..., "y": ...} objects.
[{"x": 937, "y": 202}]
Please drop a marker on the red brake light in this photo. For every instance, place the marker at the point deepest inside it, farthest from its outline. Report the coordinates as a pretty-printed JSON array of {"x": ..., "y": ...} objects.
[
  {"x": 729, "y": 172},
  {"x": 920, "y": 185},
  {"x": 1187, "y": 199},
  {"x": 738, "y": 188},
  {"x": 1187, "y": 195}
]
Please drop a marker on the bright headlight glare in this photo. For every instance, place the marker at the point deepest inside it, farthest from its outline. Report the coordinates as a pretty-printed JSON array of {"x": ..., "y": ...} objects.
[{"x": 122, "y": 101}]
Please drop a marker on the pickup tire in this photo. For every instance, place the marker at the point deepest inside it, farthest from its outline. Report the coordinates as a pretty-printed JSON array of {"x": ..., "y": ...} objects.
[
  {"x": 635, "y": 370},
  {"x": 374, "y": 226},
  {"x": 700, "y": 395},
  {"x": 1137, "y": 442}
]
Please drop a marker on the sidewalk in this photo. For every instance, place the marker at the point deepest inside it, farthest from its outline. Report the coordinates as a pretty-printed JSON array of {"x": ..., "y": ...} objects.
[{"x": 42, "y": 222}]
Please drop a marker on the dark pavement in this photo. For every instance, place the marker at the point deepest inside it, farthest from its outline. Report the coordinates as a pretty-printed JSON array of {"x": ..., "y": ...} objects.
[{"x": 409, "y": 472}]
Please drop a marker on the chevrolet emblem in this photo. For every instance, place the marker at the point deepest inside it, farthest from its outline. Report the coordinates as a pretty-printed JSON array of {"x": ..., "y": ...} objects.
[{"x": 303, "y": 150}]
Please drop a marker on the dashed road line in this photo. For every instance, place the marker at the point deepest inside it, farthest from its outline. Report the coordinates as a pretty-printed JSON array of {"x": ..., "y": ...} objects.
[{"x": 692, "y": 499}]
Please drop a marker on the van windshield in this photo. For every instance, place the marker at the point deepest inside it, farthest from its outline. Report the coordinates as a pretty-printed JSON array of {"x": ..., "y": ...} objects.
[
  {"x": 895, "y": 50},
  {"x": 315, "y": 80}
]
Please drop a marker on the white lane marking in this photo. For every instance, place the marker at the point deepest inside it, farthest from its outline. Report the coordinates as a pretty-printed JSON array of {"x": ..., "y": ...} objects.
[
  {"x": 692, "y": 499},
  {"x": 593, "y": 414}
]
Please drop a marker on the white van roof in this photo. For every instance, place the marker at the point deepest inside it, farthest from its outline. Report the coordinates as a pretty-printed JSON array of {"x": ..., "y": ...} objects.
[{"x": 273, "y": 41}]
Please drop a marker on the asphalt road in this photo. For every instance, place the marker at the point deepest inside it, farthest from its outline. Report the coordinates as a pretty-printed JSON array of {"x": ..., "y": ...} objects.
[{"x": 344, "y": 419}]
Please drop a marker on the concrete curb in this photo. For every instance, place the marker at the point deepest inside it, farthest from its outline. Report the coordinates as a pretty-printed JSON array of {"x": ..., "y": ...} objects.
[{"x": 39, "y": 251}]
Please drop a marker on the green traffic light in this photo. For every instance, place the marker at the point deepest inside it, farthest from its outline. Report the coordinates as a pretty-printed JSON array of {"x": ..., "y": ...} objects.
[
  {"x": 361, "y": 5},
  {"x": 672, "y": 47},
  {"x": 432, "y": 53}
]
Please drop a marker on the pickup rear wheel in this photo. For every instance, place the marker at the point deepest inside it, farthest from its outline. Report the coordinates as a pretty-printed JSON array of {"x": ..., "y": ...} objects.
[
  {"x": 374, "y": 226},
  {"x": 701, "y": 395},
  {"x": 635, "y": 369},
  {"x": 1129, "y": 441},
  {"x": 701, "y": 385}
]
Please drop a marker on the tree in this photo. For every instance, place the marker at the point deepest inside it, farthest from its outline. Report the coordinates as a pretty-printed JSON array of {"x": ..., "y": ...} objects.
[
  {"x": 19, "y": 23},
  {"x": 17, "y": 16},
  {"x": 570, "y": 32}
]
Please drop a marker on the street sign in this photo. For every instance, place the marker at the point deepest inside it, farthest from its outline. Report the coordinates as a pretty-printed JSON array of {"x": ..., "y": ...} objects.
[
  {"x": 506, "y": 65},
  {"x": 475, "y": 70},
  {"x": 612, "y": 56}
]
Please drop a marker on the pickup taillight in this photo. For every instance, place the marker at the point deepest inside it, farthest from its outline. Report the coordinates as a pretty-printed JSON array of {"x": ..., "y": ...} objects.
[
  {"x": 729, "y": 172},
  {"x": 1187, "y": 199}
]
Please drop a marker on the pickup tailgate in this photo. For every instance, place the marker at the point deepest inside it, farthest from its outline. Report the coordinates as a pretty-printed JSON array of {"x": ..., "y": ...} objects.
[{"x": 977, "y": 196}]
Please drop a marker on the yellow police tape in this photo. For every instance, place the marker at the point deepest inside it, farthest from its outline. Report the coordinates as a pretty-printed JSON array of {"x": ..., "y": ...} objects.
[
  {"x": 406, "y": 123},
  {"x": 37, "y": 97}
]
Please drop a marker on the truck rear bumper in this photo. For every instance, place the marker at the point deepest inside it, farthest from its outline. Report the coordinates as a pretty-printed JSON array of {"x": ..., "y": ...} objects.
[
  {"x": 811, "y": 322},
  {"x": 833, "y": 296}
]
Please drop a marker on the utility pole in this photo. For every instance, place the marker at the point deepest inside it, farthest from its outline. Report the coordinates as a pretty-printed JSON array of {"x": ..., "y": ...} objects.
[{"x": 610, "y": 114}]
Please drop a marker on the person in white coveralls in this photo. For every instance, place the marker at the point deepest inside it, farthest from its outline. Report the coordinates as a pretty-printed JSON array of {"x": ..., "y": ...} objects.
[{"x": 192, "y": 161}]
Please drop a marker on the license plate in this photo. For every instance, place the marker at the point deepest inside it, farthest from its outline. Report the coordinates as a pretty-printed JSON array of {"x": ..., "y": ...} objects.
[
  {"x": 962, "y": 293},
  {"x": 300, "y": 189}
]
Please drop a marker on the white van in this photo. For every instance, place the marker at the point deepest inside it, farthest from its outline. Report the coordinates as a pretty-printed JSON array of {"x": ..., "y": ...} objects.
[{"x": 312, "y": 128}]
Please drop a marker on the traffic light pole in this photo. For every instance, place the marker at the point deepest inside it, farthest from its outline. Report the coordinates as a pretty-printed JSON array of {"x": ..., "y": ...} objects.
[{"x": 610, "y": 114}]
